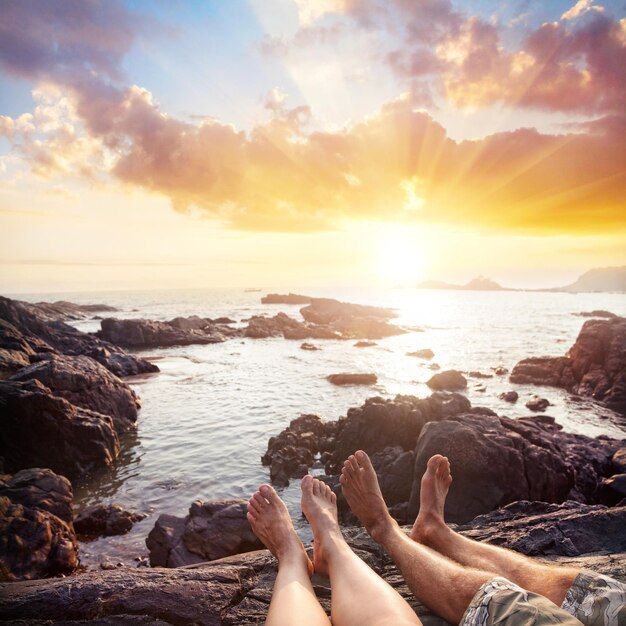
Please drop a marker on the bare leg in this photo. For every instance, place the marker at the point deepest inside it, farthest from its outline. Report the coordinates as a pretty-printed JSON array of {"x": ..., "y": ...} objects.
[
  {"x": 444, "y": 586},
  {"x": 430, "y": 529},
  {"x": 293, "y": 598},
  {"x": 359, "y": 596}
]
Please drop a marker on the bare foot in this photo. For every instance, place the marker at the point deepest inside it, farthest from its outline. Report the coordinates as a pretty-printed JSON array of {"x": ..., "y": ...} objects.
[
  {"x": 434, "y": 489},
  {"x": 319, "y": 505},
  {"x": 272, "y": 524},
  {"x": 359, "y": 484}
]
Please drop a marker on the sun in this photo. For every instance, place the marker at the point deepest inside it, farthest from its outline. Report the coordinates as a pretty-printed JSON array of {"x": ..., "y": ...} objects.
[{"x": 399, "y": 257}]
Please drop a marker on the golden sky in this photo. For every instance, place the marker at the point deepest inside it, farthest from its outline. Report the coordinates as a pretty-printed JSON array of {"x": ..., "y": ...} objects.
[{"x": 286, "y": 143}]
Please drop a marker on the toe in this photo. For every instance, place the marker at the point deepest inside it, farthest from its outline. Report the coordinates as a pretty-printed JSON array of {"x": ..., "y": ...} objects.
[
  {"x": 251, "y": 518},
  {"x": 353, "y": 463},
  {"x": 268, "y": 492},
  {"x": 253, "y": 507},
  {"x": 317, "y": 487},
  {"x": 365, "y": 462},
  {"x": 433, "y": 462},
  {"x": 333, "y": 497},
  {"x": 259, "y": 500},
  {"x": 307, "y": 484}
]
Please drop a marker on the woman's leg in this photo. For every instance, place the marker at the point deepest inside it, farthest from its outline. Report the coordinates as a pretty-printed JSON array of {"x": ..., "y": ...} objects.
[
  {"x": 293, "y": 598},
  {"x": 359, "y": 596}
]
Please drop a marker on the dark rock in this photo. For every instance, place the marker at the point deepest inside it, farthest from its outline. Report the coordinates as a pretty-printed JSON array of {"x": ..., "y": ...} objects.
[
  {"x": 309, "y": 346},
  {"x": 426, "y": 353},
  {"x": 476, "y": 374},
  {"x": 537, "y": 404},
  {"x": 23, "y": 329},
  {"x": 500, "y": 371},
  {"x": 509, "y": 396},
  {"x": 539, "y": 529},
  {"x": 291, "y": 298},
  {"x": 450, "y": 380},
  {"x": 365, "y": 344},
  {"x": 87, "y": 384},
  {"x": 36, "y": 535},
  {"x": 235, "y": 590},
  {"x": 212, "y": 530},
  {"x": 595, "y": 365},
  {"x": 281, "y": 325},
  {"x": 352, "y": 379},
  {"x": 224, "y": 320},
  {"x": 296, "y": 447},
  {"x": 394, "y": 467},
  {"x": 140, "y": 333},
  {"x": 619, "y": 460},
  {"x": 38, "y": 429},
  {"x": 379, "y": 423},
  {"x": 102, "y": 520},
  {"x": 597, "y": 313},
  {"x": 64, "y": 311}
]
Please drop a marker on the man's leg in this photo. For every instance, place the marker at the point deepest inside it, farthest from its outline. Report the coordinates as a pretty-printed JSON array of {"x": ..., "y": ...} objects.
[
  {"x": 430, "y": 529},
  {"x": 359, "y": 597},
  {"x": 293, "y": 598},
  {"x": 445, "y": 586}
]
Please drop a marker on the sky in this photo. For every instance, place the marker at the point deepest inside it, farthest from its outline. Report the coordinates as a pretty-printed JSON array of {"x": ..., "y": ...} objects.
[{"x": 321, "y": 143}]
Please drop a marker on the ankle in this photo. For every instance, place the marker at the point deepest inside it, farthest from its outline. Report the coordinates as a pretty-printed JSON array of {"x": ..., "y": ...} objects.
[{"x": 383, "y": 529}]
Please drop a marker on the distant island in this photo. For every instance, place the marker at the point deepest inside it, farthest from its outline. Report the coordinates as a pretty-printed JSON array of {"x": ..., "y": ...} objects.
[{"x": 603, "y": 279}]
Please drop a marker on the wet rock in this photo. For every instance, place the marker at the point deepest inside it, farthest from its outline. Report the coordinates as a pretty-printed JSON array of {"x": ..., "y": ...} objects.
[
  {"x": 612, "y": 490},
  {"x": 39, "y": 429},
  {"x": 212, "y": 530},
  {"x": 476, "y": 374},
  {"x": 595, "y": 365},
  {"x": 295, "y": 448},
  {"x": 365, "y": 344},
  {"x": 291, "y": 298},
  {"x": 141, "y": 333},
  {"x": 426, "y": 353},
  {"x": 24, "y": 330},
  {"x": 509, "y": 396},
  {"x": 352, "y": 379},
  {"x": 36, "y": 535},
  {"x": 309, "y": 346},
  {"x": 597, "y": 313},
  {"x": 434, "y": 366},
  {"x": 87, "y": 384},
  {"x": 450, "y": 380},
  {"x": 537, "y": 404},
  {"x": 102, "y": 520},
  {"x": 500, "y": 371},
  {"x": 281, "y": 325}
]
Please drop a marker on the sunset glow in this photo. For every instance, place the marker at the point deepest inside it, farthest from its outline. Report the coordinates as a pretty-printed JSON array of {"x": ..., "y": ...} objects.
[{"x": 237, "y": 140}]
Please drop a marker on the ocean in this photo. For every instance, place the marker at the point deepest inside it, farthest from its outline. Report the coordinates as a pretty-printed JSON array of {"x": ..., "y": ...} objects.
[{"x": 207, "y": 416}]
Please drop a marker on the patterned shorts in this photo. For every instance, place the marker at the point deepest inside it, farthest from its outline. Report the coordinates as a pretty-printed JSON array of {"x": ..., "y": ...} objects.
[{"x": 592, "y": 600}]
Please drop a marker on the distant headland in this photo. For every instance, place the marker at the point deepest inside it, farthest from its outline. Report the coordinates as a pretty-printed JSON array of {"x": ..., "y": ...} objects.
[{"x": 603, "y": 279}]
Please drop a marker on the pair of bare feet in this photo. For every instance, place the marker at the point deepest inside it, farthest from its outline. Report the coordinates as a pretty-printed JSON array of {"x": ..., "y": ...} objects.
[{"x": 272, "y": 524}]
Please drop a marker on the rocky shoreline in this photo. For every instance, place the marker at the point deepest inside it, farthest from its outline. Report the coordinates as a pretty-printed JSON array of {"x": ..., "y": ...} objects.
[{"x": 64, "y": 387}]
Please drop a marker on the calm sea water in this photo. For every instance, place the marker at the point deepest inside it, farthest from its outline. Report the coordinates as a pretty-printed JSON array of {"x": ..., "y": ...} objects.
[{"x": 208, "y": 414}]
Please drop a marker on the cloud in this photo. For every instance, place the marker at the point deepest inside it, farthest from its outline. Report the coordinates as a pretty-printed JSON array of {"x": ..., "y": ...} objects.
[{"x": 582, "y": 6}]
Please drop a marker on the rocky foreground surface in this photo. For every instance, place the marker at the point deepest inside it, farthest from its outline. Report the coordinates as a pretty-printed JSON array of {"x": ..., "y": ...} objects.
[{"x": 237, "y": 590}]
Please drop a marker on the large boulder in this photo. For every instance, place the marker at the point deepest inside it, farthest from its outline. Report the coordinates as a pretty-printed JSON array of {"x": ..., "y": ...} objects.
[
  {"x": 36, "y": 535},
  {"x": 595, "y": 365},
  {"x": 281, "y": 325},
  {"x": 450, "y": 380},
  {"x": 212, "y": 530},
  {"x": 87, "y": 384},
  {"x": 141, "y": 333},
  {"x": 105, "y": 520},
  {"x": 39, "y": 429},
  {"x": 496, "y": 460}
]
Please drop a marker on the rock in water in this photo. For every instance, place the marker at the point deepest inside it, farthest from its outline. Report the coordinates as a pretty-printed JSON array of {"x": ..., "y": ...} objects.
[
  {"x": 36, "y": 534},
  {"x": 102, "y": 520},
  {"x": 38, "y": 429},
  {"x": 212, "y": 530},
  {"x": 352, "y": 379},
  {"x": 87, "y": 384},
  {"x": 595, "y": 365},
  {"x": 537, "y": 404},
  {"x": 426, "y": 353},
  {"x": 509, "y": 396},
  {"x": 450, "y": 380},
  {"x": 291, "y": 298}
]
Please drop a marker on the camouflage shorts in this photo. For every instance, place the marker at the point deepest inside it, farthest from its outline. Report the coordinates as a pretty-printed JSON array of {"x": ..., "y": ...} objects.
[
  {"x": 596, "y": 600},
  {"x": 501, "y": 602}
]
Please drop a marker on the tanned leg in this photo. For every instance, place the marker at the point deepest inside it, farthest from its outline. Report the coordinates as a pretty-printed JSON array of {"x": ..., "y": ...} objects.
[
  {"x": 430, "y": 529},
  {"x": 444, "y": 586},
  {"x": 293, "y": 598},
  {"x": 359, "y": 597}
]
